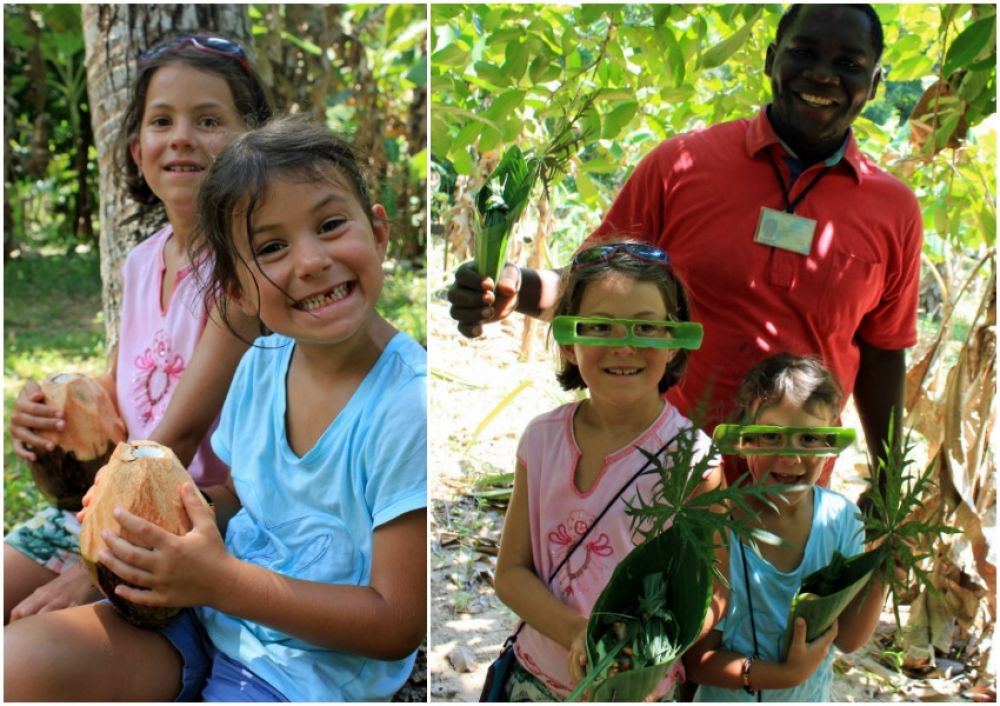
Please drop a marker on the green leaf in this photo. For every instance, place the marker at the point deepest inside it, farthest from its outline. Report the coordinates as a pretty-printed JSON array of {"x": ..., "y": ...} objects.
[
  {"x": 491, "y": 72},
  {"x": 450, "y": 55},
  {"x": 619, "y": 118},
  {"x": 462, "y": 161},
  {"x": 968, "y": 45},
  {"x": 500, "y": 203},
  {"x": 504, "y": 104},
  {"x": 418, "y": 72},
  {"x": 588, "y": 192},
  {"x": 717, "y": 55},
  {"x": 440, "y": 135},
  {"x": 488, "y": 138},
  {"x": 303, "y": 44},
  {"x": 516, "y": 60}
]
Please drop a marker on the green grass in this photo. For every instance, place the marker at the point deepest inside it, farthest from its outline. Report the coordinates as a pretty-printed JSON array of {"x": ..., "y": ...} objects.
[
  {"x": 52, "y": 323},
  {"x": 404, "y": 300}
]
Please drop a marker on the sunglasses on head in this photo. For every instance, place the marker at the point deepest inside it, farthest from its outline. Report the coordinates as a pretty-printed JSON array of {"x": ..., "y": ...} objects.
[
  {"x": 603, "y": 253},
  {"x": 210, "y": 45}
]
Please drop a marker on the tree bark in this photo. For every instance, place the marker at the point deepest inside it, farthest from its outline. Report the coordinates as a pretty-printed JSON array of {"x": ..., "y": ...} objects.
[{"x": 113, "y": 36}]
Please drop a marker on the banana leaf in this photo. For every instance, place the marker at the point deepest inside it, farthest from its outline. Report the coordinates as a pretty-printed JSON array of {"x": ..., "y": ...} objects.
[
  {"x": 685, "y": 587},
  {"x": 825, "y": 593},
  {"x": 500, "y": 203}
]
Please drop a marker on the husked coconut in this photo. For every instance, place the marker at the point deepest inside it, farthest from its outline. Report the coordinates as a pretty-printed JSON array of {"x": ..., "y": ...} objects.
[
  {"x": 144, "y": 478},
  {"x": 92, "y": 430}
]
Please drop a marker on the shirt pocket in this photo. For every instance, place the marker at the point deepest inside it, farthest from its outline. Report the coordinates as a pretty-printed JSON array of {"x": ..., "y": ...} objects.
[
  {"x": 852, "y": 287},
  {"x": 834, "y": 291}
]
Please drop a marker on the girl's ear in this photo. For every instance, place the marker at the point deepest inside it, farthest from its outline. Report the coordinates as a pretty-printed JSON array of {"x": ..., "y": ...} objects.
[
  {"x": 245, "y": 304},
  {"x": 135, "y": 149},
  {"x": 568, "y": 354},
  {"x": 380, "y": 229}
]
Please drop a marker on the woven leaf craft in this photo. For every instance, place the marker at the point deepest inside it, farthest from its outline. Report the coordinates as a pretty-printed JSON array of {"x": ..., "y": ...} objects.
[{"x": 500, "y": 203}]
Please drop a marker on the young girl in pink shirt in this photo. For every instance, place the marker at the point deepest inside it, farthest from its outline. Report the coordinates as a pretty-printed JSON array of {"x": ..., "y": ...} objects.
[
  {"x": 192, "y": 96},
  {"x": 622, "y": 327}
]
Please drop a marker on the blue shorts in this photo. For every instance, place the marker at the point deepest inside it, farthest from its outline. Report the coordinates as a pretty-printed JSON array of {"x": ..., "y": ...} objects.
[{"x": 208, "y": 674}]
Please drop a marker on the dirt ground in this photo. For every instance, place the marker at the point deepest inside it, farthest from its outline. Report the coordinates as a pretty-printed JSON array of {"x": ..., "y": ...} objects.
[{"x": 469, "y": 438}]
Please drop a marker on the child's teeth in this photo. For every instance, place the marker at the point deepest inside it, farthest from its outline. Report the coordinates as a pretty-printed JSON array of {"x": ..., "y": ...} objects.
[
  {"x": 816, "y": 100},
  {"x": 321, "y": 299}
]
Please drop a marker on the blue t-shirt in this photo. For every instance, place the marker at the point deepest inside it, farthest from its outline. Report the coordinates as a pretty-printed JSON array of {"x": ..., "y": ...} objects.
[
  {"x": 835, "y": 527},
  {"x": 313, "y": 517}
]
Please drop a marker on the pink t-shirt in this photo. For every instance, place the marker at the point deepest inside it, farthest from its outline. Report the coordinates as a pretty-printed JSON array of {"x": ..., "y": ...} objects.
[
  {"x": 155, "y": 346},
  {"x": 559, "y": 513}
]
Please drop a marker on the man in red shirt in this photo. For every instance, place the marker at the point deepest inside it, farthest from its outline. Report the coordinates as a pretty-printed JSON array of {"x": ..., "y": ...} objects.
[{"x": 786, "y": 236}]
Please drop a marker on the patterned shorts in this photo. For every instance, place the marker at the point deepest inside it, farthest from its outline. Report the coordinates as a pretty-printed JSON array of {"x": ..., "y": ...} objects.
[
  {"x": 522, "y": 685},
  {"x": 50, "y": 538}
]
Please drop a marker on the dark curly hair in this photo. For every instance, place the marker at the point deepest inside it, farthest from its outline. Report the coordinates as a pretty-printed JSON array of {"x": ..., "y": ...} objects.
[
  {"x": 574, "y": 284},
  {"x": 296, "y": 147},
  {"x": 249, "y": 95}
]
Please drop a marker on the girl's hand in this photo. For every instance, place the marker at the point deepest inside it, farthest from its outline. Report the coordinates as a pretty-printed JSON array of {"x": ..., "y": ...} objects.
[
  {"x": 804, "y": 657},
  {"x": 172, "y": 570},
  {"x": 577, "y": 658},
  {"x": 29, "y": 415},
  {"x": 69, "y": 589}
]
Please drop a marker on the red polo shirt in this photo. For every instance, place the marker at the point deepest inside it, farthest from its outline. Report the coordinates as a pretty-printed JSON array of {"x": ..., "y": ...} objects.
[{"x": 698, "y": 196}]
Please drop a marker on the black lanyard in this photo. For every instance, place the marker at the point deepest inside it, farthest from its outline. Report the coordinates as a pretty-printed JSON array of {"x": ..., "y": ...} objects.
[{"x": 785, "y": 190}]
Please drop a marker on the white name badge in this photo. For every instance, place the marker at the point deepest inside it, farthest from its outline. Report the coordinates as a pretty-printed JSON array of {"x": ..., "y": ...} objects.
[{"x": 785, "y": 230}]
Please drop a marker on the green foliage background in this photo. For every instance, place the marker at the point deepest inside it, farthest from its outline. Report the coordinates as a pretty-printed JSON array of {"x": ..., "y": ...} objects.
[{"x": 595, "y": 87}]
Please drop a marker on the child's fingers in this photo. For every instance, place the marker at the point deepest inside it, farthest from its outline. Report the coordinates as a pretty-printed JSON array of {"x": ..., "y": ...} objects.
[
  {"x": 141, "y": 532},
  {"x": 122, "y": 559},
  {"x": 200, "y": 514}
]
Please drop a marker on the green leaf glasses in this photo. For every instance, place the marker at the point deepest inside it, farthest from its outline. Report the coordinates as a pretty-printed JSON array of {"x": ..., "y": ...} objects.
[
  {"x": 763, "y": 440},
  {"x": 640, "y": 333}
]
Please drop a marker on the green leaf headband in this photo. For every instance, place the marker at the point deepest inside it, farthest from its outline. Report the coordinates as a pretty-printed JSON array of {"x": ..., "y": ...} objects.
[
  {"x": 641, "y": 333},
  {"x": 764, "y": 440}
]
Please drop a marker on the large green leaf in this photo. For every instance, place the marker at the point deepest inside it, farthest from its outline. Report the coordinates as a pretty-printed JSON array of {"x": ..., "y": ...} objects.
[
  {"x": 688, "y": 581},
  {"x": 968, "y": 45},
  {"x": 500, "y": 203},
  {"x": 826, "y": 592},
  {"x": 717, "y": 55}
]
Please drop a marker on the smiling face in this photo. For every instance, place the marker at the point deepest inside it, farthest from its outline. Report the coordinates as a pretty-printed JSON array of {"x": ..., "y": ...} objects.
[
  {"x": 318, "y": 269},
  {"x": 822, "y": 73},
  {"x": 622, "y": 376},
  {"x": 189, "y": 116},
  {"x": 791, "y": 470}
]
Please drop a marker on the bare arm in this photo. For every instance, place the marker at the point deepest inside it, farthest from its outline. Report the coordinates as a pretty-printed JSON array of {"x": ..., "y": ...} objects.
[
  {"x": 707, "y": 662},
  {"x": 858, "y": 621},
  {"x": 384, "y": 620},
  {"x": 516, "y": 582},
  {"x": 203, "y": 386},
  {"x": 878, "y": 395}
]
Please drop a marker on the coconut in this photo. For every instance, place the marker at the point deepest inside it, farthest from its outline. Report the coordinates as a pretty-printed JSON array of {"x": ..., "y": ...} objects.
[
  {"x": 92, "y": 430},
  {"x": 144, "y": 478}
]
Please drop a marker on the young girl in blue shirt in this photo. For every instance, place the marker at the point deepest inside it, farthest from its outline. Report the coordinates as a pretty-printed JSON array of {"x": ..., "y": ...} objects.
[
  {"x": 740, "y": 659},
  {"x": 318, "y": 592}
]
